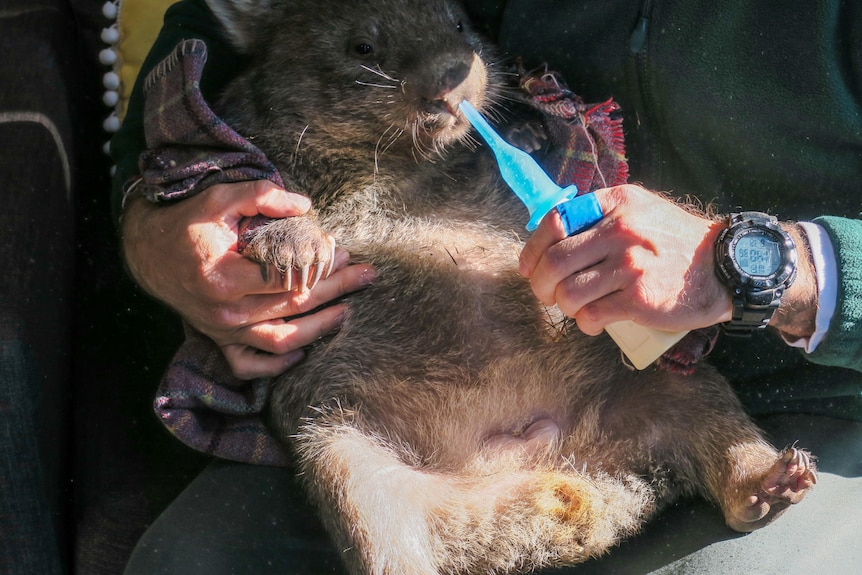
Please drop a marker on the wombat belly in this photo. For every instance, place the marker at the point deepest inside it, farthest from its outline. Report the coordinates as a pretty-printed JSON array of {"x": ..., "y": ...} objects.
[{"x": 449, "y": 351}]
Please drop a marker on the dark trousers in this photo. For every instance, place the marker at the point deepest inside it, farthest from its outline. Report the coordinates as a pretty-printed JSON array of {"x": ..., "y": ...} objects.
[{"x": 36, "y": 283}]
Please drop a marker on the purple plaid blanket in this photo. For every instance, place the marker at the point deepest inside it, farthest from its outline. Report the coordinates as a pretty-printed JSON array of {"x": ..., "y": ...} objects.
[{"x": 190, "y": 149}]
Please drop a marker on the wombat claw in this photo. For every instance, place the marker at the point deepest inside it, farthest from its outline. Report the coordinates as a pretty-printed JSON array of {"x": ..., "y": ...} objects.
[
  {"x": 320, "y": 272},
  {"x": 294, "y": 247},
  {"x": 791, "y": 476},
  {"x": 307, "y": 280}
]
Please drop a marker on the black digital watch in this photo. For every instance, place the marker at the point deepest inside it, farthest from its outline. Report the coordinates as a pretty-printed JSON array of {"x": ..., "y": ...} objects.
[{"x": 756, "y": 259}]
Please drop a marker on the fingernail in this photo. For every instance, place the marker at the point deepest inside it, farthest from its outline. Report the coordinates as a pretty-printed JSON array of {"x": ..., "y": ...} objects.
[
  {"x": 341, "y": 258},
  {"x": 294, "y": 357},
  {"x": 369, "y": 274},
  {"x": 303, "y": 203},
  {"x": 339, "y": 320}
]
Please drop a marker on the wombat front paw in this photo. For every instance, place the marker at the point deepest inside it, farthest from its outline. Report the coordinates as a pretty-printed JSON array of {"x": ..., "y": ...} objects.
[
  {"x": 298, "y": 249},
  {"x": 786, "y": 483},
  {"x": 530, "y": 136}
]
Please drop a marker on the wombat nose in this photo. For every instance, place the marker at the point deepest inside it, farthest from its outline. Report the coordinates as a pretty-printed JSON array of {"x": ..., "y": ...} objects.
[
  {"x": 452, "y": 78},
  {"x": 435, "y": 88}
]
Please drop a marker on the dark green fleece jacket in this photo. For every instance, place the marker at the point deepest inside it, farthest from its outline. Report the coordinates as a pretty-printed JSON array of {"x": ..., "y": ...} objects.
[{"x": 745, "y": 104}]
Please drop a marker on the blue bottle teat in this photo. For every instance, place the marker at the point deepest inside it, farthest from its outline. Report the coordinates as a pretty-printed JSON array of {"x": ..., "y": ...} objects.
[{"x": 531, "y": 184}]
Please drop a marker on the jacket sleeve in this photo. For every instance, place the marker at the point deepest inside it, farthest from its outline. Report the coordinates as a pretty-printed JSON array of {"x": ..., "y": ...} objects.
[
  {"x": 842, "y": 345},
  {"x": 184, "y": 20}
]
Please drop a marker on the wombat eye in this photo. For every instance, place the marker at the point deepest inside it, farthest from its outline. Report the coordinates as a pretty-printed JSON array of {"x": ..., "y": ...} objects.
[
  {"x": 364, "y": 49},
  {"x": 459, "y": 26}
]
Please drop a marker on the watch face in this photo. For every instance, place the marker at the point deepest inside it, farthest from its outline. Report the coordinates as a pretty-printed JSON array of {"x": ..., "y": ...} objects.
[{"x": 758, "y": 253}]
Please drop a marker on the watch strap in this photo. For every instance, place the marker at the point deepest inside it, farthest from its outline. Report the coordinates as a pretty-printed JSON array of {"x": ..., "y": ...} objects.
[{"x": 748, "y": 318}]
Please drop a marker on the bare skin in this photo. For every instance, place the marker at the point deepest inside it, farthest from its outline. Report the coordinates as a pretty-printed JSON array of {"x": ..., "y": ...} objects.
[
  {"x": 649, "y": 261},
  {"x": 185, "y": 255}
]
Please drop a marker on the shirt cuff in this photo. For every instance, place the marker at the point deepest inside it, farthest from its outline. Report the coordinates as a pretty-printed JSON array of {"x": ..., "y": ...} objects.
[{"x": 826, "y": 271}]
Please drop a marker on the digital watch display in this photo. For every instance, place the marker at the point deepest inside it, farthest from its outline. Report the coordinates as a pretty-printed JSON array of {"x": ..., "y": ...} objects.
[
  {"x": 756, "y": 258},
  {"x": 758, "y": 254}
]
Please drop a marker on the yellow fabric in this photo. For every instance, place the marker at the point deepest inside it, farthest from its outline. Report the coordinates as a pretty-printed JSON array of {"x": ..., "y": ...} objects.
[{"x": 139, "y": 22}]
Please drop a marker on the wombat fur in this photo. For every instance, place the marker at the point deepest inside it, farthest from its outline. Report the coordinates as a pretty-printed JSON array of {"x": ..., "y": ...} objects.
[{"x": 454, "y": 424}]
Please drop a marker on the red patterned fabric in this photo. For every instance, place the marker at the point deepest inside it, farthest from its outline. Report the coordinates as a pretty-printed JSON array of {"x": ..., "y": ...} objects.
[{"x": 587, "y": 143}]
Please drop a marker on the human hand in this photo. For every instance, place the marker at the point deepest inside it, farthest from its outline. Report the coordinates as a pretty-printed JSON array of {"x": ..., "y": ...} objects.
[
  {"x": 648, "y": 260},
  {"x": 185, "y": 254}
]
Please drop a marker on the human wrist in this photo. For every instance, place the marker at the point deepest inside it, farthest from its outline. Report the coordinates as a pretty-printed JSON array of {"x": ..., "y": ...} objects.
[
  {"x": 756, "y": 260},
  {"x": 134, "y": 220},
  {"x": 723, "y": 302},
  {"x": 796, "y": 317}
]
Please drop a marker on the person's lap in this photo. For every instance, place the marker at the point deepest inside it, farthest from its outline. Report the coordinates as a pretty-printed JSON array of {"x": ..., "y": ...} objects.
[
  {"x": 240, "y": 519},
  {"x": 234, "y": 519}
]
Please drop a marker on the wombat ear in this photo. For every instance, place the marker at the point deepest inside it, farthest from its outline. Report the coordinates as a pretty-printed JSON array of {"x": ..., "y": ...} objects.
[{"x": 243, "y": 19}]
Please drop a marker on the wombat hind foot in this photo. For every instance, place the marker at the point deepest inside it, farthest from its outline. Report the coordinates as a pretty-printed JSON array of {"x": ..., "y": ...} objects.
[{"x": 785, "y": 483}]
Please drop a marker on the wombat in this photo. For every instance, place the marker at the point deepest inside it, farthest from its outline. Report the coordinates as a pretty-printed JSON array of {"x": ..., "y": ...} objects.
[{"x": 454, "y": 424}]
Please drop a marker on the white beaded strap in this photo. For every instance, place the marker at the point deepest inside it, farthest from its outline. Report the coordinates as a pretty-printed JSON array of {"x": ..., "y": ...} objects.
[{"x": 109, "y": 56}]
